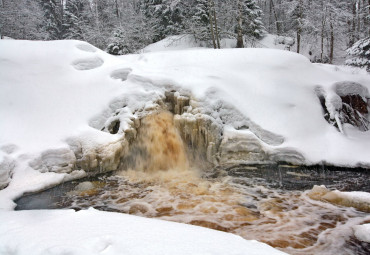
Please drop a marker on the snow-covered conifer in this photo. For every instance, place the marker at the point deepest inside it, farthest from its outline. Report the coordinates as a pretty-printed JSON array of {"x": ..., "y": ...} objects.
[
  {"x": 200, "y": 21},
  {"x": 118, "y": 45},
  {"x": 360, "y": 53},
  {"x": 53, "y": 22},
  {"x": 251, "y": 18},
  {"x": 72, "y": 20}
]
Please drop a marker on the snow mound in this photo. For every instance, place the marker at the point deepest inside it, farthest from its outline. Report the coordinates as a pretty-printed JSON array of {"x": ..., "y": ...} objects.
[
  {"x": 94, "y": 232},
  {"x": 362, "y": 232},
  {"x": 356, "y": 199},
  {"x": 176, "y": 42},
  {"x": 88, "y": 63}
]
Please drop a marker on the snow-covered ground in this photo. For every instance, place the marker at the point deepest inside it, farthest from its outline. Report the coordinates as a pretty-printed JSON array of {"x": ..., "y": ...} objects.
[
  {"x": 55, "y": 98},
  {"x": 95, "y": 232}
]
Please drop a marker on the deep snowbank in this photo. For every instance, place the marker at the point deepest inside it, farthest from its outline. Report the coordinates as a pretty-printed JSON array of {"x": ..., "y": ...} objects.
[{"x": 94, "y": 232}]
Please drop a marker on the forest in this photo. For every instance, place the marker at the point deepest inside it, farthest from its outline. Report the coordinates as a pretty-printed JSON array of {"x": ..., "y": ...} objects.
[{"x": 326, "y": 28}]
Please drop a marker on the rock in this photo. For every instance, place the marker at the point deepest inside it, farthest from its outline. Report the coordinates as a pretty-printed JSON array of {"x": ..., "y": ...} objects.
[
  {"x": 201, "y": 134},
  {"x": 349, "y": 104},
  {"x": 83, "y": 186},
  {"x": 55, "y": 160},
  {"x": 7, "y": 166},
  {"x": 240, "y": 147}
]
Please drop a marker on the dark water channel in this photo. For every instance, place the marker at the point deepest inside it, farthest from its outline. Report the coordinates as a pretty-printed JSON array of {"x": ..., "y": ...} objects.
[{"x": 266, "y": 203}]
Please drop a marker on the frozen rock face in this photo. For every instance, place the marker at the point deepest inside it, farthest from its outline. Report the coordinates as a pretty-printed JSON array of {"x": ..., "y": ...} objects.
[
  {"x": 244, "y": 147},
  {"x": 7, "y": 166},
  {"x": 56, "y": 160},
  {"x": 348, "y": 104},
  {"x": 218, "y": 133},
  {"x": 201, "y": 134},
  {"x": 355, "y": 104},
  {"x": 98, "y": 159}
]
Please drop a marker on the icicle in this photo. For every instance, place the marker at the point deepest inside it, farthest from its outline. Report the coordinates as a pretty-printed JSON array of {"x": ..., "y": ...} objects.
[{"x": 339, "y": 123}]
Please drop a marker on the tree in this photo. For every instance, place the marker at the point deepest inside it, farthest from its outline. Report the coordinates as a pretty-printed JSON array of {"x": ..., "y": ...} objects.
[
  {"x": 298, "y": 21},
  {"x": 360, "y": 52},
  {"x": 200, "y": 21},
  {"x": 249, "y": 21},
  {"x": 52, "y": 18},
  {"x": 73, "y": 20},
  {"x": 118, "y": 46},
  {"x": 22, "y": 19},
  {"x": 164, "y": 17}
]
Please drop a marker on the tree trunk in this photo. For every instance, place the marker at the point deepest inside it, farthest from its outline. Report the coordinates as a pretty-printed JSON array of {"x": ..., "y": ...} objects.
[
  {"x": 211, "y": 23},
  {"x": 331, "y": 55},
  {"x": 1, "y": 5},
  {"x": 358, "y": 20},
  {"x": 276, "y": 18},
  {"x": 270, "y": 16},
  {"x": 239, "y": 40},
  {"x": 117, "y": 9},
  {"x": 353, "y": 32},
  {"x": 299, "y": 26},
  {"x": 322, "y": 41},
  {"x": 368, "y": 20},
  {"x": 298, "y": 40},
  {"x": 323, "y": 23},
  {"x": 216, "y": 27}
]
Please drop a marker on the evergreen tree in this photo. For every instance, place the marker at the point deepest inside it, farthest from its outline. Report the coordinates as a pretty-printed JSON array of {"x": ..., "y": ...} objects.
[
  {"x": 249, "y": 23},
  {"x": 164, "y": 17},
  {"x": 53, "y": 20},
  {"x": 178, "y": 11},
  {"x": 158, "y": 16},
  {"x": 200, "y": 21},
  {"x": 251, "y": 18},
  {"x": 22, "y": 19},
  {"x": 360, "y": 53},
  {"x": 118, "y": 45},
  {"x": 73, "y": 20}
]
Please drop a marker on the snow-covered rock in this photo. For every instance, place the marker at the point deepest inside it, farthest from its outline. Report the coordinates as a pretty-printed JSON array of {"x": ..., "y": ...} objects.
[
  {"x": 362, "y": 232},
  {"x": 356, "y": 199}
]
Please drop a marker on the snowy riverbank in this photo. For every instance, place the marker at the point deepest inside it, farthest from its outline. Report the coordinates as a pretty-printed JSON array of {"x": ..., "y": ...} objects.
[{"x": 61, "y": 101}]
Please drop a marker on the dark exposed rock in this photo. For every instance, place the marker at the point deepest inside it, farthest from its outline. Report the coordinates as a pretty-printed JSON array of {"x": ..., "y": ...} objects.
[
  {"x": 114, "y": 127},
  {"x": 351, "y": 105}
]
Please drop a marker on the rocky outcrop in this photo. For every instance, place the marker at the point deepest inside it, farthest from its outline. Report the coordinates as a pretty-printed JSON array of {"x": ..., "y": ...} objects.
[
  {"x": 7, "y": 166},
  {"x": 348, "y": 104},
  {"x": 213, "y": 131}
]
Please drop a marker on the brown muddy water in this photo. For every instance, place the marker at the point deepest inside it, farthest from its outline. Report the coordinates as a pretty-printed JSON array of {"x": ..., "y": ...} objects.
[{"x": 267, "y": 203}]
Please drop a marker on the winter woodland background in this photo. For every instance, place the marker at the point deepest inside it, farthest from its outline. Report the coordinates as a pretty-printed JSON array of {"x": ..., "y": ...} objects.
[{"x": 324, "y": 29}]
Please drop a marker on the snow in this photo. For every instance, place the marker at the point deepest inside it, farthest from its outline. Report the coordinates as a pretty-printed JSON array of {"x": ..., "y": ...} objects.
[
  {"x": 362, "y": 232},
  {"x": 275, "y": 89},
  {"x": 60, "y": 94},
  {"x": 355, "y": 196},
  {"x": 57, "y": 96},
  {"x": 176, "y": 42},
  {"x": 94, "y": 232}
]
